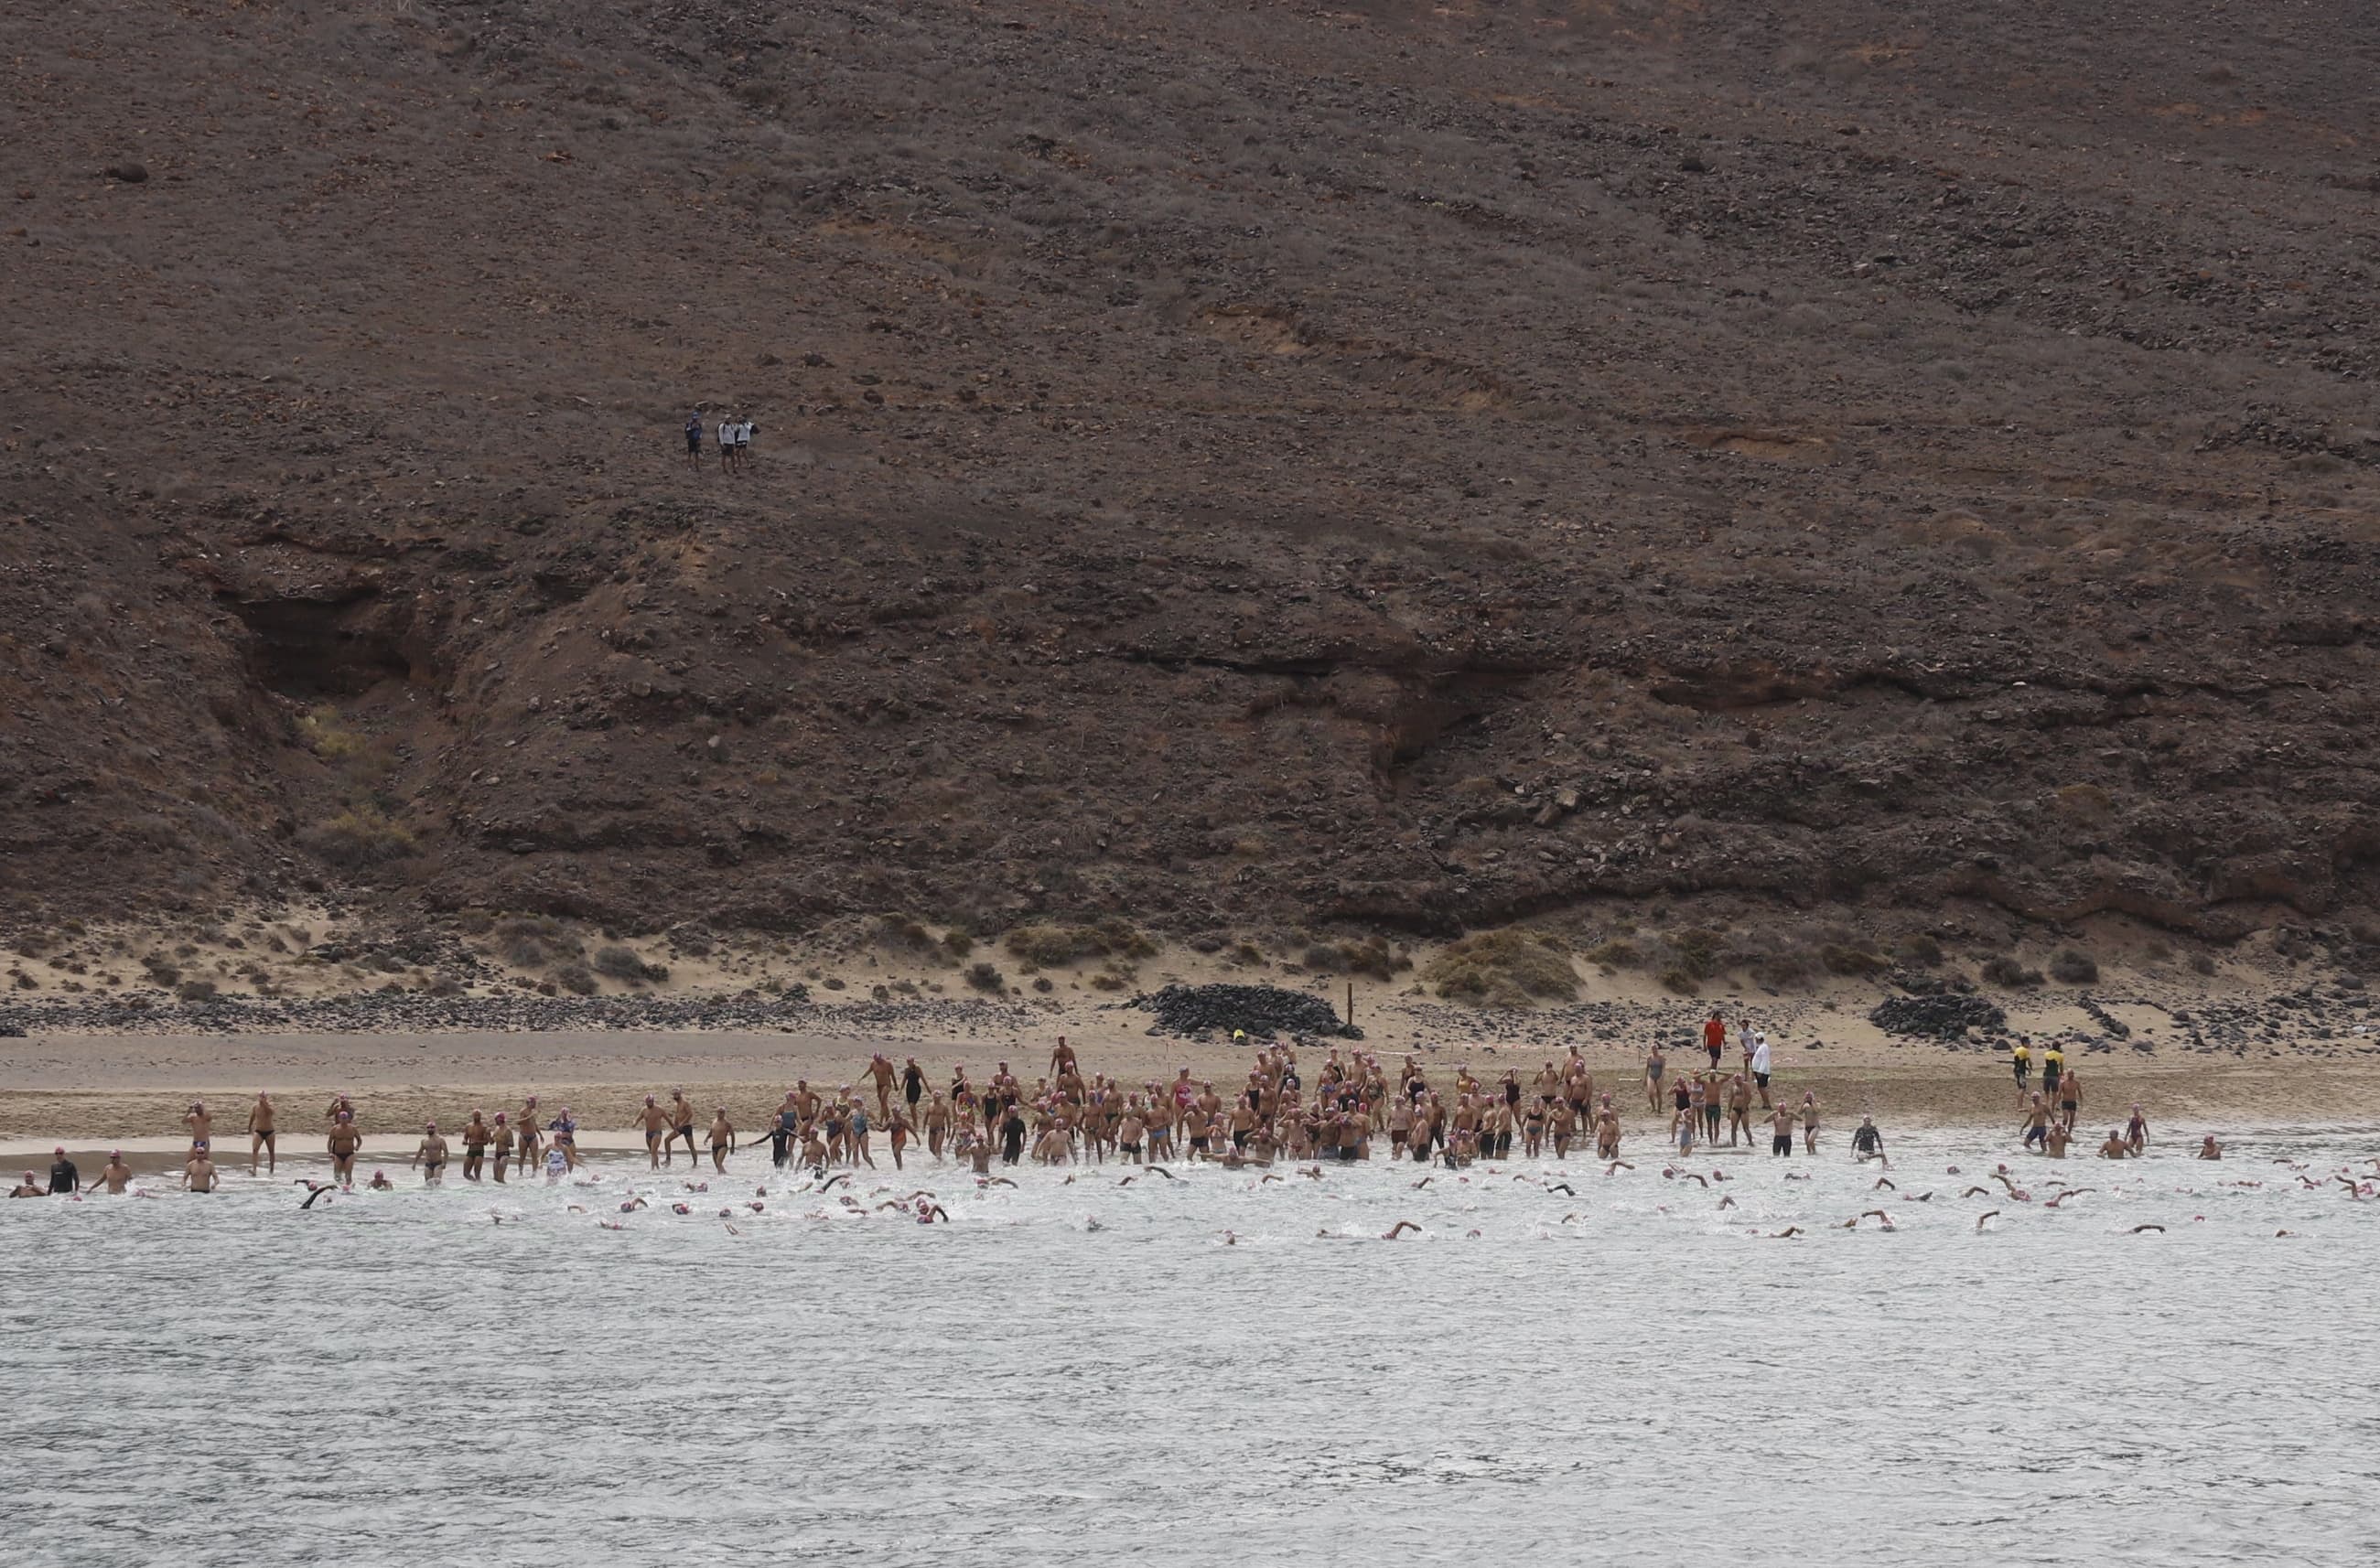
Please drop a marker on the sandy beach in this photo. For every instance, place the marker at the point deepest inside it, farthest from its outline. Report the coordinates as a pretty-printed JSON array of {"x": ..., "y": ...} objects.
[{"x": 90, "y": 1088}]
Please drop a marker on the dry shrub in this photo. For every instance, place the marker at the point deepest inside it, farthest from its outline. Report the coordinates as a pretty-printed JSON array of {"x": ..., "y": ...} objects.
[
  {"x": 1049, "y": 946},
  {"x": 535, "y": 941},
  {"x": 1370, "y": 958},
  {"x": 1614, "y": 953},
  {"x": 1503, "y": 969},
  {"x": 1922, "y": 950},
  {"x": 622, "y": 963},
  {"x": 907, "y": 936},
  {"x": 1848, "y": 958},
  {"x": 575, "y": 978},
  {"x": 2074, "y": 967},
  {"x": 2007, "y": 972},
  {"x": 357, "y": 839},
  {"x": 1696, "y": 950},
  {"x": 986, "y": 977}
]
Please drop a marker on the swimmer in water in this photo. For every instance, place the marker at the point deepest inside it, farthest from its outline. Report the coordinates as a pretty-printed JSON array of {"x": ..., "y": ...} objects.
[
  {"x": 1988, "y": 1215},
  {"x": 115, "y": 1176},
  {"x": 2210, "y": 1149},
  {"x": 1399, "y": 1229},
  {"x": 1867, "y": 1143},
  {"x": 380, "y": 1182}
]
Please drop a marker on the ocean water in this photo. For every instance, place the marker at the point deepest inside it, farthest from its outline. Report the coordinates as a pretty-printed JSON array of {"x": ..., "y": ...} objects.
[{"x": 1626, "y": 1373}]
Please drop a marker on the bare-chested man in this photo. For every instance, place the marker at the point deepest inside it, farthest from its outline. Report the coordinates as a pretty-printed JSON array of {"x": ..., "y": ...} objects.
[
  {"x": 1780, "y": 1130},
  {"x": 430, "y": 1155},
  {"x": 654, "y": 1121},
  {"x": 344, "y": 1142},
  {"x": 1809, "y": 1122},
  {"x": 528, "y": 1131},
  {"x": 1738, "y": 1109},
  {"x": 2036, "y": 1122},
  {"x": 115, "y": 1176},
  {"x": 475, "y": 1136},
  {"x": 260, "y": 1135},
  {"x": 881, "y": 1073},
  {"x": 681, "y": 1112},
  {"x": 29, "y": 1188},
  {"x": 722, "y": 1139},
  {"x": 2210, "y": 1149},
  {"x": 2117, "y": 1147},
  {"x": 199, "y": 1172},
  {"x": 499, "y": 1145},
  {"x": 202, "y": 1123}
]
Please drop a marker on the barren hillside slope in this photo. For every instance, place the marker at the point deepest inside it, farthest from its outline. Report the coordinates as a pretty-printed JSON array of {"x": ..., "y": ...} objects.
[{"x": 1395, "y": 466}]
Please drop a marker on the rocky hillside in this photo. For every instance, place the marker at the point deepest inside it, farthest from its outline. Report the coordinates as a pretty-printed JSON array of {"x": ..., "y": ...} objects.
[{"x": 1395, "y": 466}]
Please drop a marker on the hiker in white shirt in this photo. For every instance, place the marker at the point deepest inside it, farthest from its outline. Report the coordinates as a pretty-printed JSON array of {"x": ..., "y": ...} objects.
[
  {"x": 727, "y": 442},
  {"x": 1760, "y": 1064}
]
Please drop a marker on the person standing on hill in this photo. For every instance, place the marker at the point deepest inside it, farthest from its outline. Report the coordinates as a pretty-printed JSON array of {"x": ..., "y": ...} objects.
[
  {"x": 694, "y": 440},
  {"x": 727, "y": 443},
  {"x": 743, "y": 429},
  {"x": 1715, "y": 1037}
]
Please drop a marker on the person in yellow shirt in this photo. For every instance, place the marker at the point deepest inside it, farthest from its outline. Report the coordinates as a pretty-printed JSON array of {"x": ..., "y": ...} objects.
[
  {"x": 2053, "y": 1068},
  {"x": 2021, "y": 1059}
]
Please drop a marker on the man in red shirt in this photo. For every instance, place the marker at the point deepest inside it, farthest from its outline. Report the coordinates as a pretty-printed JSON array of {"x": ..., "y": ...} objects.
[{"x": 1715, "y": 1037}]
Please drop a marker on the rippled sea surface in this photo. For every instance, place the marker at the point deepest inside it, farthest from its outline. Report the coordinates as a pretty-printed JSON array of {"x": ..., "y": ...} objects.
[{"x": 1073, "y": 1372}]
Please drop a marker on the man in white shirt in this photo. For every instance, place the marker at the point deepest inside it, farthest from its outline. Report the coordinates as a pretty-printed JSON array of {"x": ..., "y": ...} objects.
[
  {"x": 727, "y": 442},
  {"x": 1760, "y": 1064},
  {"x": 743, "y": 442}
]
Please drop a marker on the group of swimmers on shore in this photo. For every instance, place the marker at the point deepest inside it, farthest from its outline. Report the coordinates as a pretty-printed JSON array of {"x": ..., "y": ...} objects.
[{"x": 1355, "y": 1110}]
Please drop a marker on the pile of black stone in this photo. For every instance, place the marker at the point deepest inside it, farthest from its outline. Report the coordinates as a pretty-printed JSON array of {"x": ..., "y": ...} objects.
[
  {"x": 1262, "y": 1010},
  {"x": 1946, "y": 1018}
]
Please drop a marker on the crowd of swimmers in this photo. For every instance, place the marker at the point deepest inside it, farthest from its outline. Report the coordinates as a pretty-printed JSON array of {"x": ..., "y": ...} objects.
[{"x": 1355, "y": 1108}]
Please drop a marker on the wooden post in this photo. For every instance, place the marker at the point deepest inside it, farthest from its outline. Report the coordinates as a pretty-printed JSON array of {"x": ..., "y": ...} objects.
[{"x": 1350, "y": 1004}]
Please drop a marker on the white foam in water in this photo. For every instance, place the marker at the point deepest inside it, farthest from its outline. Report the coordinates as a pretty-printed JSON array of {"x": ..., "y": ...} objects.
[{"x": 1088, "y": 1371}]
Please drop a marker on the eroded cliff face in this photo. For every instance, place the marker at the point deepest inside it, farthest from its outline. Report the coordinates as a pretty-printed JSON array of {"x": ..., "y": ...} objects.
[{"x": 1388, "y": 467}]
